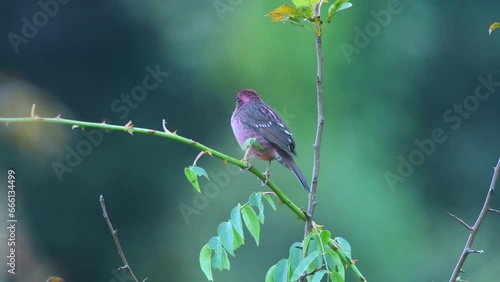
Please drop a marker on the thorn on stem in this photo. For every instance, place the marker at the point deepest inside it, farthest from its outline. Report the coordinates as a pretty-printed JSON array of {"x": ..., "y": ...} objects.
[
  {"x": 164, "y": 125},
  {"x": 129, "y": 127}
]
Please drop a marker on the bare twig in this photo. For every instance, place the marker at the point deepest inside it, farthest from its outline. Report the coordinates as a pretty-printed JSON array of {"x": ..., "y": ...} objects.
[
  {"x": 474, "y": 229},
  {"x": 117, "y": 242},
  {"x": 319, "y": 133},
  {"x": 461, "y": 221},
  {"x": 494, "y": 210}
]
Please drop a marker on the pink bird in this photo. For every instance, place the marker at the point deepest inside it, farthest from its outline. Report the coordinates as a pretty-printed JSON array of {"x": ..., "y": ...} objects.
[{"x": 252, "y": 118}]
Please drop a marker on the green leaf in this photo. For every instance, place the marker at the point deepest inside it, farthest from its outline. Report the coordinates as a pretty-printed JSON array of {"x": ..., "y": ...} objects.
[
  {"x": 344, "y": 246},
  {"x": 304, "y": 13},
  {"x": 493, "y": 27},
  {"x": 236, "y": 220},
  {"x": 282, "y": 271},
  {"x": 199, "y": 171},
  {"x": 205, "y": 261},
  {"x": 295, "y": 255},
  {"x": 338, "y": 6},
  {"x": 270, "y": 201},
  {"x": 304, "y": 264},
  {"x": 318, "y": 275},
  {"x": 225, "y": 260},
  {"x": 191, "y": 177},
  {"x": 270, "y": 274},
  {"x": 344, "y": 6},
  {"x": 238, "y": 240},
  {"x": 335, "y": 263},
  {"x": 225, "y": 232},
  {"x": 216, "y": 246},
  {"x": 282, "y": 13},
  {"x": 305, "y": 3},
  {"x": 315, "y": 247},
  {"x": 256, "y": 201},
  {"x": 252, "y": 141},
  {"x": 335, "y": 277},
  {"x": 325, "y": 236},
  {"x": 251, "y": 222},
  {"x": 305, "y": 244}
]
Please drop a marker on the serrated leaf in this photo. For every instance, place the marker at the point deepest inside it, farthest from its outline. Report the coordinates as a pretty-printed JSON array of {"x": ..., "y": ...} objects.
[
  {"x": 493, "y": 27},
  {"x": 270, "y": 274},
  {"x": 251, "y": 222},
  {"x": 282, "y": 13},
  {"x": 318, "y": 275},
  {"x": 192, "y": 178},
  {"x": 205, "y": 261},
  {"x": 236, "y": 220},
  {"x": 256, "y": 201},
  {"x": 200, "y": 171},
  {"x": 225, "y": 232},
  {"x": 282, "y": 271},
  {"x": 270, "y": 201},
  {"x": 344, "y": 246},
  {"x": 216, "y": 246},
  {"x": 295, "y": 255},
  {"x": 335, "y": 263},
  {"x": 304, "y": 264}
]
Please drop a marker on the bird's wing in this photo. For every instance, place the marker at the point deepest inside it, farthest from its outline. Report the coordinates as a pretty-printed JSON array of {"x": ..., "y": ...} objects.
[{"x": 272, "y": 128}]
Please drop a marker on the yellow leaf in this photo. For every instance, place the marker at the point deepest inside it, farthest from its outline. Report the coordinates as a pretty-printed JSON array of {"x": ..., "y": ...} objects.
[
  {"x": 283, "y": 13},
  {"x": 494, "y": 26},
  {"x": 55, "y": 279}
]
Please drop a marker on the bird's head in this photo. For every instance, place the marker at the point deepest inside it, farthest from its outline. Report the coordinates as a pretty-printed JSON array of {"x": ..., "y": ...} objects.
[{"x": 246, "y": 96}]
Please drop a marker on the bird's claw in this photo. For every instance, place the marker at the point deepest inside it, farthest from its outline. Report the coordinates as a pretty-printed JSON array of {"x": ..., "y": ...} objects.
[
  {"x": 249, "y": 166},
  {"x": 267, "y": 175}
]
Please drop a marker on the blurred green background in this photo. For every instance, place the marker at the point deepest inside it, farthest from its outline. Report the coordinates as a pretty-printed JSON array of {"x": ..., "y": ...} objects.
[{"x": 397, "y": 86}]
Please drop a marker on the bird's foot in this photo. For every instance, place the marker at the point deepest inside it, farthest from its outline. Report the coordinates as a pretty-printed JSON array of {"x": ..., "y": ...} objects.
[
  {"x": 267, "y": 174},
  {"x": 249, "y": 166}
]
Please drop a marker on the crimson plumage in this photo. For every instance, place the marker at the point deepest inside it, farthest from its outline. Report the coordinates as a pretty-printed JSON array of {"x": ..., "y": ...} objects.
[{"x": 252, "y": 118}]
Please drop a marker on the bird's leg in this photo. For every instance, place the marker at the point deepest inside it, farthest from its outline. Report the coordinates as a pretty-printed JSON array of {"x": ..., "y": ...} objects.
[
  {"x": 245, "y": 160},
  {"x": 267, "y": 174}
]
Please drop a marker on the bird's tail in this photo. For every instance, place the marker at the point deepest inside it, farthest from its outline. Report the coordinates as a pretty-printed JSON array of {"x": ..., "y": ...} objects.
[{"x": 290, "y": 163}]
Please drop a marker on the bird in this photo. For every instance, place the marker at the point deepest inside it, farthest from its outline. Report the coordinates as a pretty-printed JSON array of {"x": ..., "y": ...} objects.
[{"x": 253, "y": 118}]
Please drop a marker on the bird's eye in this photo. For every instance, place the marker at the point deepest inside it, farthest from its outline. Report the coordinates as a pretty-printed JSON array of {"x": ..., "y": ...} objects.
[{"x": 238, "y": 100}]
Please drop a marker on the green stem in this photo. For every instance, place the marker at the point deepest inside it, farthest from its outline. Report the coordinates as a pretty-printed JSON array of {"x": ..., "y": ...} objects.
[{"x": 170, "y": 135}]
